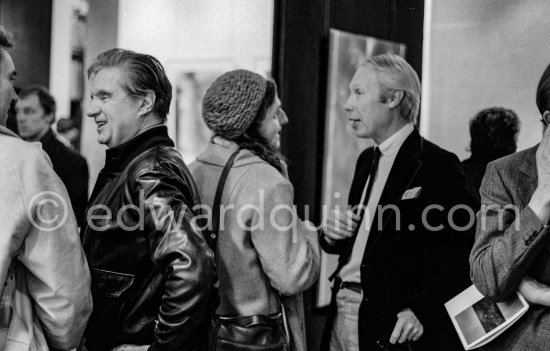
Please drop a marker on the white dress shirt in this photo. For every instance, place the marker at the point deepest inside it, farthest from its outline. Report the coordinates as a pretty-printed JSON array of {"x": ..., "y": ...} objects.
[{"x": 388, "y": 151}]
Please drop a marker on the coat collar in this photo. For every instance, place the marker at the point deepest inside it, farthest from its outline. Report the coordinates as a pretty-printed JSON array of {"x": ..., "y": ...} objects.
[
  {"x": 6, "y": 131},
  {"x": 219, "y": 150},
  {"x": 48, "y": 137},
  {"x": 529, "y": 164},
  {"x": 392, "y": 145},
  {"x": 403, "y": 170},
  {"x": 118, "y": 157}
]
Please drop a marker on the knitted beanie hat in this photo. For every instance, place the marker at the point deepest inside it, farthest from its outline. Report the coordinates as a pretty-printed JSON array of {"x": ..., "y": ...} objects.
[{"x": 232, "y": 102}]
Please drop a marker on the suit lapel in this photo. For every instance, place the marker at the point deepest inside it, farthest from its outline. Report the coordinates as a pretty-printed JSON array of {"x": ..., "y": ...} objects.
[
  {"x": 528, "y": 166},
  {"x": 403, "y": 171},
  {"x": 526, "y": 188}
]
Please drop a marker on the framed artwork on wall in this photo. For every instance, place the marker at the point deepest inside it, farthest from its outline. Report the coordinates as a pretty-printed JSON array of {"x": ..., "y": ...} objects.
[
  {"x": 346, "y": 52},
  {"x": 190, "y": 80}
]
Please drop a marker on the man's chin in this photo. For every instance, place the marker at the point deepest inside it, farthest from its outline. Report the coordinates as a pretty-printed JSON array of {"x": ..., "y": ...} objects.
[
  {"x": 360, "y": 134},
  {"x": 26, "y": 136},
  {"x": 101, "y": 141}
]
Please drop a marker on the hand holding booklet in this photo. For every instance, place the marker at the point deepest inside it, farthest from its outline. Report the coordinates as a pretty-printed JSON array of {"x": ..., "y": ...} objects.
[{"x": 479, "y": 320}]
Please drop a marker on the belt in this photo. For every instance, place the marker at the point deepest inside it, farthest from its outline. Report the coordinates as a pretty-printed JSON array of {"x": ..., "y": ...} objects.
[{"x": 353, "y": 286}]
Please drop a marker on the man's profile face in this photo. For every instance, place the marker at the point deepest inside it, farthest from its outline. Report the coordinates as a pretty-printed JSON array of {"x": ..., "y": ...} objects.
[
  {"x": 32, "y": 121},
  {"x": 114, "y": 111},
  {"x": 369, "y": 117},
  {"x": 7, "y": 77}
]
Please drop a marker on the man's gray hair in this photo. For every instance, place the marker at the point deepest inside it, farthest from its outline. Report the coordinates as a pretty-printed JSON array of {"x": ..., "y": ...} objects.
[
  {"x": 394, "y": 73},
  {"x": 141, "y": 73}
]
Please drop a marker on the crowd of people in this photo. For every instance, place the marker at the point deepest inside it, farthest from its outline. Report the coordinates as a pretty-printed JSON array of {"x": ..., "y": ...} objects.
[{"x": 213, "y": 256}]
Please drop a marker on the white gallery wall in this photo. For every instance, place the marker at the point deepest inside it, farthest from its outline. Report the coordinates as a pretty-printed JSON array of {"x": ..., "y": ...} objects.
[
  {"x": 190, "y": 30},
  {"x": 197, "y": 41},
  {"x": 479, "y": 54},
  {"x": 102, "y": 34},
  {"x": 60, "y": 81}
]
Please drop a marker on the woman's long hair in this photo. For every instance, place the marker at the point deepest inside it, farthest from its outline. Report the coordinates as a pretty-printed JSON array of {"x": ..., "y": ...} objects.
[{"x": 251, "y": 138}]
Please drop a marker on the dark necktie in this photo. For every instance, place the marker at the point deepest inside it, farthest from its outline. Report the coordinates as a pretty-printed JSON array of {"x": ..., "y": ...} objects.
[
  {"x": 360, "y": 211},
  {"x": 372, "y": 174}
]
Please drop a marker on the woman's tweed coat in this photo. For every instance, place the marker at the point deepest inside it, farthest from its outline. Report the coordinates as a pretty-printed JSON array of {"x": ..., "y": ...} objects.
[{"x": 262, "y": 246}]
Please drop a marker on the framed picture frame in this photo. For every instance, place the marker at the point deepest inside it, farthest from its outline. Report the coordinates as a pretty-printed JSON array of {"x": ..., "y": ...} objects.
[{"x": 190, "y": 80}]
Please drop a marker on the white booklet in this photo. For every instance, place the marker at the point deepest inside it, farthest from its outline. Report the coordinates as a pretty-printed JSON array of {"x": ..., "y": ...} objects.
[{"x": 478, "y": 320}]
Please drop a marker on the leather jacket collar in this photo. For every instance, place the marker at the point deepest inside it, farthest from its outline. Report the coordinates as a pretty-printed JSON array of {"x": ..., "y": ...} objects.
[{"x": 118, "y": 157}]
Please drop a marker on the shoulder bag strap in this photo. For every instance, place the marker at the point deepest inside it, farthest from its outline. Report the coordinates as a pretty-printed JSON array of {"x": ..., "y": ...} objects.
[
  {"x": 218, "y": 199},
  {"x": 215, "y": 232}
]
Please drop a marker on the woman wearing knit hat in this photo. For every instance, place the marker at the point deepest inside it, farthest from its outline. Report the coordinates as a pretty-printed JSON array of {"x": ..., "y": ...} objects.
[{"x": 266, "y": 255}]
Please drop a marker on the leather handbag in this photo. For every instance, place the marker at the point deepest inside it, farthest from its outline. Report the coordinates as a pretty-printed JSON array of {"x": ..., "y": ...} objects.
[{"x": 259, "y": 332}]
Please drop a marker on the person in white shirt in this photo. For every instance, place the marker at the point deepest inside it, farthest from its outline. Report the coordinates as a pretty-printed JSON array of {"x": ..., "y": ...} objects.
[{"x": 405, "y": 240}]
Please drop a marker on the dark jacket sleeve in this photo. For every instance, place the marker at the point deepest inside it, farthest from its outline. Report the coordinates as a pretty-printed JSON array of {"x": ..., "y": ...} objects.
[
  {"x": 454, "y": 240},
  {"x": 179, "y": 249},
  {"x": 508, "y": 239}
]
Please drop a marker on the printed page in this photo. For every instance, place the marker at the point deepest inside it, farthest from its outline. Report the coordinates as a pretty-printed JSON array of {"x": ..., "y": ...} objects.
[{"x": 478, "y": 320}]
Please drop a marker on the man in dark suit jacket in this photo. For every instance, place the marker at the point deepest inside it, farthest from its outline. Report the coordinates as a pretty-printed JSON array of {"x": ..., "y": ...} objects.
[
  {"x": 35, "y": 112},
  {"x": 404, "y": 253},
  {"x": 512, "y": 247}
]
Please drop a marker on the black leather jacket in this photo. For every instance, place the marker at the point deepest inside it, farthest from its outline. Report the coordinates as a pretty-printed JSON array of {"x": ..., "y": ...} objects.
[{"x": 153, "y": 274}]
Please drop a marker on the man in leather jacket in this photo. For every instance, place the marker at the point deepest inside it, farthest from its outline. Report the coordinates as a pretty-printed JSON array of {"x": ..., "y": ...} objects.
[{"x": 153, "y": 274}]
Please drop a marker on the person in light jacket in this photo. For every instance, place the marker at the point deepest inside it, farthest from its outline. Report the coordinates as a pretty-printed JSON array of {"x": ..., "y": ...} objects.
[
  {"x": 263, "y": 248},
  {"x": 45, "y": 298}
]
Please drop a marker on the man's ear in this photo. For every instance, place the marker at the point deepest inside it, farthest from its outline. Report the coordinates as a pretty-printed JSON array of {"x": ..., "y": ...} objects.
[
  {"x": 147, "y": 103},
  {"x": 395, "y": 98},
  {"x": 546, "y": 117}
]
